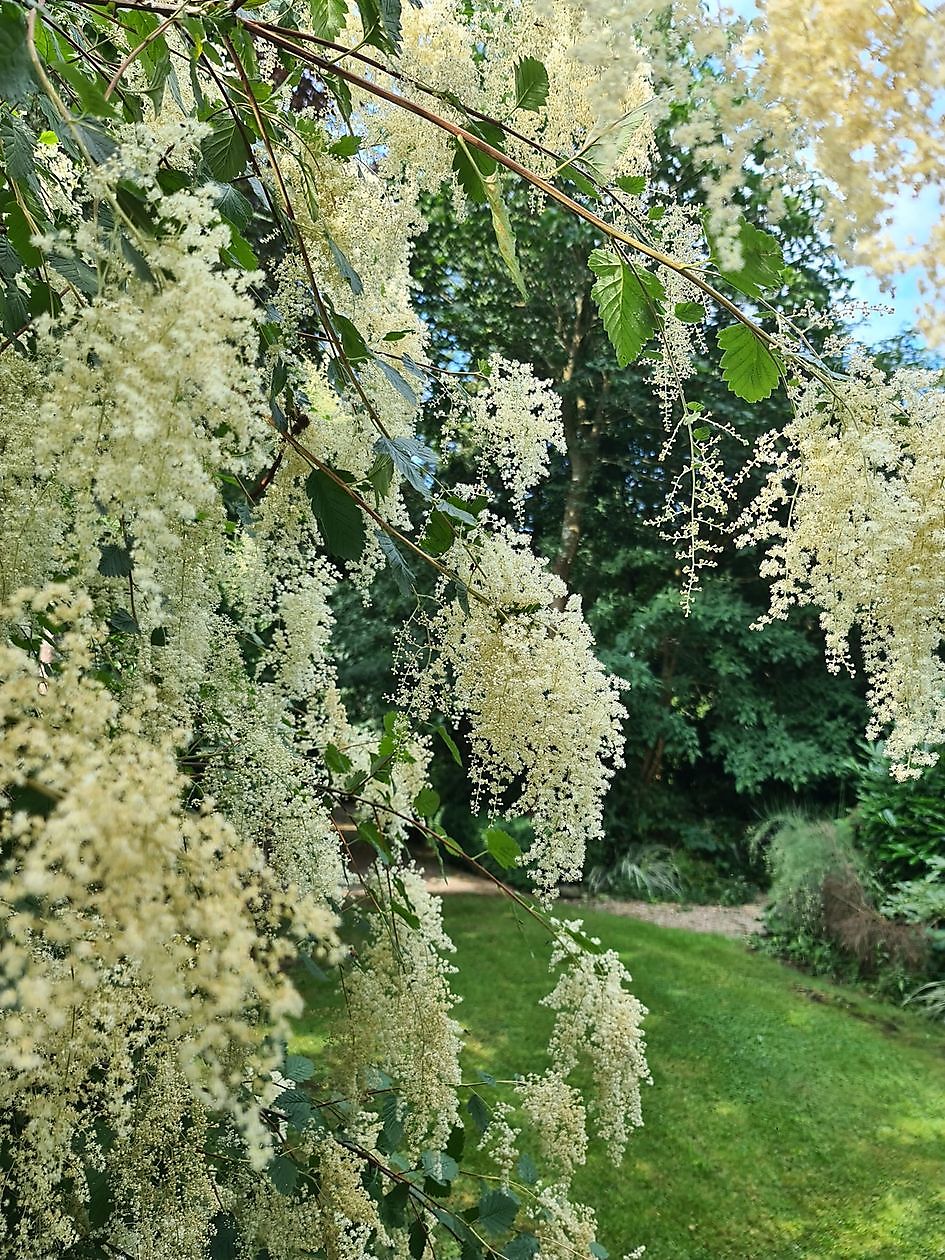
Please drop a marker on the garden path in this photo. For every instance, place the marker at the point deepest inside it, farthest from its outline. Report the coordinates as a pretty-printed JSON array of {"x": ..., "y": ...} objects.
[{"x": 732, "y": 921}]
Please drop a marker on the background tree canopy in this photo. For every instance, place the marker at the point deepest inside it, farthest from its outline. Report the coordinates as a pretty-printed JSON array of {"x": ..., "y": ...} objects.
[{"x": 728, "y": 724}]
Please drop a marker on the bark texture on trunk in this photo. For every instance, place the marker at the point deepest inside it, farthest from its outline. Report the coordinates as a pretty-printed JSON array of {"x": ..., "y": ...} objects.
[{"x": 580, "y": 417}]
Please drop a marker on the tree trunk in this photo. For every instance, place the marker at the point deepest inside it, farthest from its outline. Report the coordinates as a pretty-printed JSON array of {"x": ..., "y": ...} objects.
[{"x": 582, "y": 438}]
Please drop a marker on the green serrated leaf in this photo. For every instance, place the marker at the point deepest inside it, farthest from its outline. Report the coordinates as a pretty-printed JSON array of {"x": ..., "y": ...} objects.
[
  {"x": 412, "y": 458},
  {"x": 98, "y": 143},
  {"x": 479, "y": 1113},
  {"x": 450, "y": 743},
  {"x": 381, "y": 22},
  {"x": 439, "y": 1166},
  {"x": 522, "y": 1247},
  {"x": 352, "y": 342},
  {"x": 10, "y": 262},
  {"x": 572, "y": 173},
  {"x": 17, "y": 143},
  {"x": 14, "y": 311},
  {"x": 426, "y": 802},
  {"x": 417, "y": 1240},
  {"x": 381, "y": 474},
  {"x": 346, "y": 147},
  {"x": 609, "y": 140},
  {"x": 115, "y": 561},
  {"x": 225, "y": 1239},
  {"x": 19, "y": 233},
  {"x": 689, "y": 312},
  {"x": 298, "y": 1068},
  {"x": 339, "y": 517},
  {"x": 16, "y": 70},
  {"x": 343, "y": 264},
  {"x": 635, "y": 185},
  {"x": 526, "y": 1169},
  {"x": 390, "y": 21},
  {"x": 748, "y": 367},
  {"x": 403, "y": 574},
  {"x": 122, "y": 622},
  {"x": 240, "y": 251},
  {"x": 369, "y": 831},
  {"x": 284, "y": 1174},
  {"x": 398, "y": 382},
  {"x": 393, "y": 1206},
  {"x": 531, "y": 84},
  {"x": 502, "y": 848},
  {"x": 233, "y": 206},
  {"x": 504, "y": 235},
  {"x": 457, "y": 1142},
  {"x": 79, "y": 274},
  {"x": 439, "y": 534},
  {"x": 762, "y": 260},
  {"x": 297, "y": 1108},
  {"x": 629, "y": 303},
  {"x": 225, "y": 151},
  {"x": 497, "y": 1212},
  {"x": 328, "y": 17},
  {"x": 89, "y": 92},
  {"x": 471, "y": 165}
]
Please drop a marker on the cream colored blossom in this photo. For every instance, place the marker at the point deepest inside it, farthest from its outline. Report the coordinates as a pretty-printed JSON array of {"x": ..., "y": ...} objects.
[
  {"x": 544, "y": 719},
  {"x": 851, "y": 515}
]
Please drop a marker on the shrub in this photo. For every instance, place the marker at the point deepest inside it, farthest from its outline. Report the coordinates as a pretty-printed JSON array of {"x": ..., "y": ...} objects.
[
  {"x": 900, "y": 826},
  {"x": 649, "y": 871},
  {"x": 823, "y": 912}
]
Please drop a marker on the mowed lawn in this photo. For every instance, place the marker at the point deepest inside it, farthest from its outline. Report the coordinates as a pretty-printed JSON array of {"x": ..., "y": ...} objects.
[{"x": 788, "y": 1118}]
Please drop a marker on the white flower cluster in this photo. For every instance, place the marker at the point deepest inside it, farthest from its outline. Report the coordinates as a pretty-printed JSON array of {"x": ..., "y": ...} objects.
[
  {"x": 872, "y": 118},
  {"x": 398, "y": 1010},
  {"x": 515, "y": 422},
  {"x": 544, "y": 718},
  {"x": 852, "y": 516},
  {"x": 598, "y": 1022},
  {"x": 126, "y": 918},
  {"x": 557, "y": 1116}
]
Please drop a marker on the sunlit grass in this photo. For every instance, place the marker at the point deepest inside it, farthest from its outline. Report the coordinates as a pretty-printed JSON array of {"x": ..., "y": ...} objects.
[
  {"x": 788, "y": 1120},
  {"x": 778, "y": 1125}
]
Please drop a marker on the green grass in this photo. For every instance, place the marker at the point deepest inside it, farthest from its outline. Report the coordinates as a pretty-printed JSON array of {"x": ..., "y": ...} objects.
[{"x": 788, "y": 1117}]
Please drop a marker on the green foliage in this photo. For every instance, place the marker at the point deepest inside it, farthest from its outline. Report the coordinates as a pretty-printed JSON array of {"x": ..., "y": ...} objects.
[
  {"x": 225, "y": 150},
  {"x": 502, "y": 224},
  {"x": 749, "y": 369},
  {"x": 628, "y": 299},
  {"x": 339, "y": 517},
  {"x": 899, "y": 825},
  {"x": 531, "y": 84},
  {"x": 762, "y": 261},
  {"x": 920, "y": 900},
  {"x": 823, "y": 913},
  {"x": 328, "y": 17},
  {"x": 801, "y": 853},
  {"x": 16, "y": 72},
  {"x": 649, "y": 871},
  {"x": 746, "y": 1048},
  {"x": 502, "y": 848}
]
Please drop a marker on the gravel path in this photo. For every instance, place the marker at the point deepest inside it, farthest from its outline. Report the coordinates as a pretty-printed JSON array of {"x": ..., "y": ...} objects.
[{"x": 733, "y": 921}]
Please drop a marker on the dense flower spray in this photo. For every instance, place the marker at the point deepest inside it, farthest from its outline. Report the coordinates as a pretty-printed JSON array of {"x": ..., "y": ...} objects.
[{"x": 217, "y": 410}]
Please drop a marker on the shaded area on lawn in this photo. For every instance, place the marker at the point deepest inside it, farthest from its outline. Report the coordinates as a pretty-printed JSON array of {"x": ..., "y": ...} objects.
[{"x": 788, "y": 1118}]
